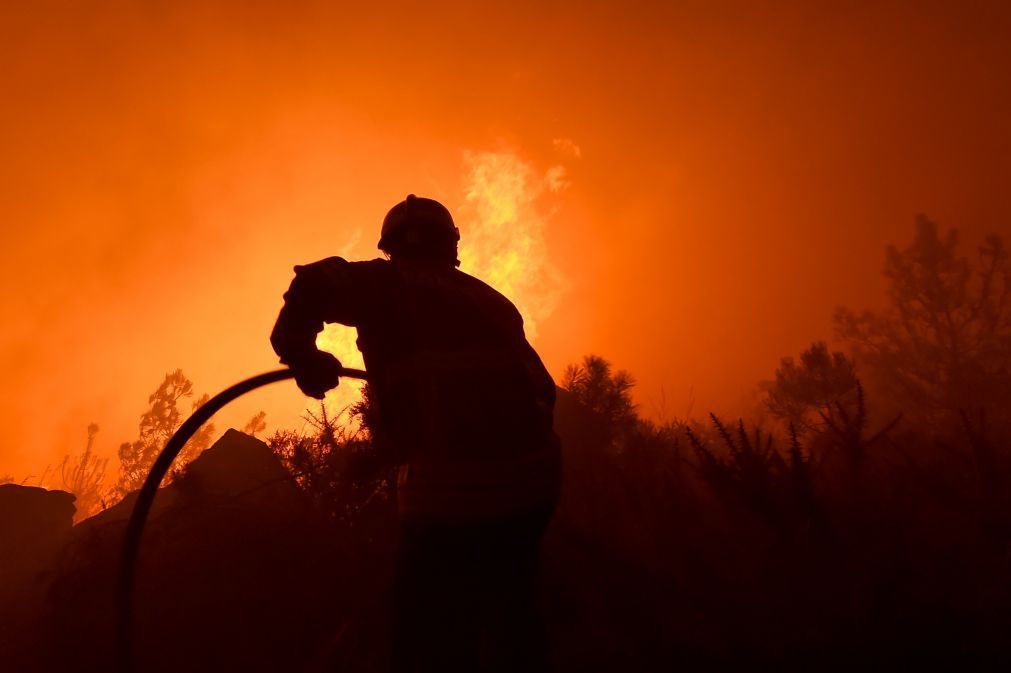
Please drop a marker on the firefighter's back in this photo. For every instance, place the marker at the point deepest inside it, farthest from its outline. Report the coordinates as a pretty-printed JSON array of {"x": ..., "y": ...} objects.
[{"x": 459, "y": 392}]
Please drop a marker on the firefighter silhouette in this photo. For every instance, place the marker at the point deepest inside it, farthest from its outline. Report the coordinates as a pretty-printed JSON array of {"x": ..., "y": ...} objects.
[{"x": 464, "y": 402}]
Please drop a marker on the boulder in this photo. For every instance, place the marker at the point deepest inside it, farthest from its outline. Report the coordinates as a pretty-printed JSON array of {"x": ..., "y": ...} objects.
[
  {"x": 236, "y": 468},
  {"x": 33, "y": 521},
  {"x": 237, "y": 571}
]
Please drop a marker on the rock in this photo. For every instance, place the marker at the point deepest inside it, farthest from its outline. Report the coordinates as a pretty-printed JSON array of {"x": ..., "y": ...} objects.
[
  {"x": 35, "y": 525},
  {"x": 236, "y": 466},
  {"x": 236, "y": 569},
  {"x": 33, "y": 521},
  {"x": 240, "y": 466}
]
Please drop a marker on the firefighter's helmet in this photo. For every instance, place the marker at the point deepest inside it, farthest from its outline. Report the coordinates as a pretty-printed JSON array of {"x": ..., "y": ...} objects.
[{"x": 419, "y": 227}]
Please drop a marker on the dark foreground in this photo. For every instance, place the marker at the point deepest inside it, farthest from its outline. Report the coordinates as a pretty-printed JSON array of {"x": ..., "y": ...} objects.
[{"x": 669, "y": 550}]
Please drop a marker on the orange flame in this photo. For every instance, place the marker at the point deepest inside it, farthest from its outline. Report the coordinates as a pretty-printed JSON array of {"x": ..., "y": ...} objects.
[{"x": 502, "y": 229}]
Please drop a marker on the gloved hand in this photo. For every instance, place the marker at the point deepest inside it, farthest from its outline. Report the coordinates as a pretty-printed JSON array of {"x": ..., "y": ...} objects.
[{"x": 317, "y": 373}]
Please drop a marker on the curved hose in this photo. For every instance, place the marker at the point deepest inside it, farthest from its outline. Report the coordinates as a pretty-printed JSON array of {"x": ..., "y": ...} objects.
[{"x": 145, "y": 499}]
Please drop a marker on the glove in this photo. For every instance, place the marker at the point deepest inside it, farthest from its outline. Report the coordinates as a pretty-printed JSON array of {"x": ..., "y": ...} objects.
[{"x": 317, "y": 373}]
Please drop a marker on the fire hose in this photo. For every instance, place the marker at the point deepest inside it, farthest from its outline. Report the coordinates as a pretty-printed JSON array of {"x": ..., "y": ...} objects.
[{"x": 145, "y": 499}]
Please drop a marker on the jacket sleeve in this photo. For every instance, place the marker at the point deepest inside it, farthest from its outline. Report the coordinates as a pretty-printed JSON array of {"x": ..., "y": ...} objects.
[{"x": 321, "y": 292}]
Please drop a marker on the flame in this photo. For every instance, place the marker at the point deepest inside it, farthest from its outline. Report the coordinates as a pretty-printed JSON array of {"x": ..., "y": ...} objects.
[{"x": 502, "y": 228}]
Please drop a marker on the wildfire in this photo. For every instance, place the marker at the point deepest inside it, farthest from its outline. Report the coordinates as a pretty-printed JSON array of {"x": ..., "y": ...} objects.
[
  {"x": 502, "y": 230},
  {"x": 502, "y": 226}
]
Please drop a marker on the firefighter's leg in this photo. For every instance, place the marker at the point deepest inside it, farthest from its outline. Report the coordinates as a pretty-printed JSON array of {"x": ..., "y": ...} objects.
[
  {"x": 515, "y": 630},
  {"x": 436, "y": 621}
]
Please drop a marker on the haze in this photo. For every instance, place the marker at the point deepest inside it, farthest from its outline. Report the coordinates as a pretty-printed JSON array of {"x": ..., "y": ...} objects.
[{"x": 701, "y": 184}]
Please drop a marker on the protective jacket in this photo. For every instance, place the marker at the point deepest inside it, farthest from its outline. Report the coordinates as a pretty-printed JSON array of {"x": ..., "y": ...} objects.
[{"x": 460, "y": 395}]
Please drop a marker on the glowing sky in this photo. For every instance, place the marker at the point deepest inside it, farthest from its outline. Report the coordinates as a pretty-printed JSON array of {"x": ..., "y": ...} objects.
[{"x": 707, "y": 180}]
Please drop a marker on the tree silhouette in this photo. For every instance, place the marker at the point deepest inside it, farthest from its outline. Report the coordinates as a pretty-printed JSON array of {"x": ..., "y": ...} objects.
[
  {"x": 157, "y": 425},
  {"x": 256, "y": 424},
  {"x": 945, "y": 341},
  {"x": 84, "y": 476},
  {"x": 807, "y": 392},
  {"x": 605, "y": 392}
]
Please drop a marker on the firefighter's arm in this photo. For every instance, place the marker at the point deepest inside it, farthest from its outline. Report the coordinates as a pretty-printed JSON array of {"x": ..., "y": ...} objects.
[{"x": 314, "y": 298}]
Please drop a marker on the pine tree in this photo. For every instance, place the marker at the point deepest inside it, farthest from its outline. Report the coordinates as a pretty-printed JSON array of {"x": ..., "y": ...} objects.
[{"x": 157, "y": 426}]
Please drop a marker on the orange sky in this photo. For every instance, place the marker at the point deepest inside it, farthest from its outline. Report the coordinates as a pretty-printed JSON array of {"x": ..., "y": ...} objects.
[{"x": 739, "y": 173}]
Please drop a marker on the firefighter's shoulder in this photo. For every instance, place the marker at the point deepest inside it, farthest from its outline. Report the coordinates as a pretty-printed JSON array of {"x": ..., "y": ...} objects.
[
  {"x": 337, "y": 271},
  {"x": 488, "y": 294}
]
